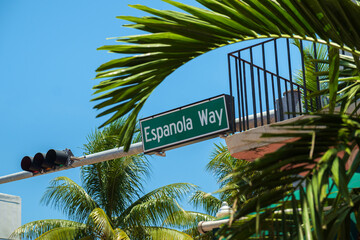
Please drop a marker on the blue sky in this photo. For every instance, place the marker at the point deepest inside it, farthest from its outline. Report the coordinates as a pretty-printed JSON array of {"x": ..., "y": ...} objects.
[{"x": 48, "y": 59}]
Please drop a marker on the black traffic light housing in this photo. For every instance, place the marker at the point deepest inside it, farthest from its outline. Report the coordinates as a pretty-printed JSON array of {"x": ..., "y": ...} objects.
[
  {"x": 44, "y": 162},
  {"x": 28, "y": 164}
]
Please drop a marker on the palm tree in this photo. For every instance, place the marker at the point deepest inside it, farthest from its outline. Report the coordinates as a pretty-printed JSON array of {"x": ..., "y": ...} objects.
[
  {"x": 286, "y": 205},
  {"x": 221, "y": 165},
  {"x": 175, "y": 38},
  {"x": 110, "y": 204}
]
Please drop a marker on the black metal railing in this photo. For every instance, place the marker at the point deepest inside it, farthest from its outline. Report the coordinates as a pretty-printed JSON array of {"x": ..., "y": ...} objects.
[{"x": 262, "y": 82}]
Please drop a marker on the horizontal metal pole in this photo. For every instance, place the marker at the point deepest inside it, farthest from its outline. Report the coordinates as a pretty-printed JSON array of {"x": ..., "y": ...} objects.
[
  {"x": 15, "y": 176},
  {"x": 134, "y": 149},
  {"x": 106, "y": 155},
  {"x": 207, "y": 226}
]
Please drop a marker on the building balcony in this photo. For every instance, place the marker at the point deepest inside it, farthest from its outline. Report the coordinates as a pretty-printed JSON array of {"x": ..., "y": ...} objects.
[{"x": 271, "y": 83}]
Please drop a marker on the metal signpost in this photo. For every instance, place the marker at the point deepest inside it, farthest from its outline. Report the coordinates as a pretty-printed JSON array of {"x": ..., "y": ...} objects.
[{"x": 188, "y": 124}]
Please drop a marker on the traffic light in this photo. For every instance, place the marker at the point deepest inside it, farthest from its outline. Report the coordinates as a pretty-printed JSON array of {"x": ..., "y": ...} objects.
[{"x": 44, "y": 162}]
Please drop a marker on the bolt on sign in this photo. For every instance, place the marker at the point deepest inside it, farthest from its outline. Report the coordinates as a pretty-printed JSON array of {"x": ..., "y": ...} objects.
[{"x": 188, "y": 124}]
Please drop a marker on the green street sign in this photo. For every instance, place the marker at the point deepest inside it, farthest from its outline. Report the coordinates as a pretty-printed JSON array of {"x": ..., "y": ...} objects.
[{"x": 191, "y": 123}]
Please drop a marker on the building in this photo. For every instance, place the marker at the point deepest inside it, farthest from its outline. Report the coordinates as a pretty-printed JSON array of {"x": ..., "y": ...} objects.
[{"x": 10, "y": 214}]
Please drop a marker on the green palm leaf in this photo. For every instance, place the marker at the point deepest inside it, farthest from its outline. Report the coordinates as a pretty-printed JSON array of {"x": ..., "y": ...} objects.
[
  {"x": 61, "y": 233},
  {"x": 113, "y": 184},
  {"x": 320, "y": 153},
  {"x": 155, "y": 206},
  {"x": 186, "y": 219},
  {"x": 35, "y": 229},
  {"x": 121, "y": 235},
  {"x": 222, "y": 163},
  {"x": 205, "y": 201},
  {"x": 67, "y": 196},
  {"x": 101, "y": 224},
  {"x": 161, "y": 233}
]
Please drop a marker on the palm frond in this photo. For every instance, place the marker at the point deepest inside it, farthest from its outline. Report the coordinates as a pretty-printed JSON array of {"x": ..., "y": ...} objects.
[
  {"x": 35, "y": 229},
  {"x": 107, "y": 138},
  {"x": 101, "y": 224},
  {"x": 313, "y": 65},
  {"x": 66, "y": 195},
  {"x": 186, "y": 219},
  {"x": 155, "y": 206},
  {"x": 113, "y": 184},
  {"x": 205, "y": 201},
  {"x": 61, "y": 233},
  {"x": 173, "y": 38},
  {"x": 121, "y": 235},
  {"x": 161, "y": 233},
  {"x": 222, "y": 163},
  {"x": 323, "y": 146},
  {"x": 337, "y": 76}
]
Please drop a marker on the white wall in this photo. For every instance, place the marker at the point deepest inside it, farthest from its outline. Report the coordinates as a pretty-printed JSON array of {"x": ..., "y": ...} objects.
[{"x": 10, "y": 214}]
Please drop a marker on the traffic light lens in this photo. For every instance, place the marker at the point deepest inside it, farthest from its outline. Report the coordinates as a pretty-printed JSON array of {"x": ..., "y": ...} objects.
[
  {"x": 45, "y": 162},
  {"x": 39, "y": 159},
  {"x": 26, "y": 163}
]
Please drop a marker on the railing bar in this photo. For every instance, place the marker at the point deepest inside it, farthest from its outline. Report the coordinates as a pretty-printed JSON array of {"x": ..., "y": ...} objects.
[
  {"x": 253, "y": 46},
  {"x": 260, "y": 97},
  {"x": 273, "y": 91},
  {"x": 242, "y": 94},
  {"x": 287, "y": 100},
  {"x": 237, "y": 91},
  {"x": 299, "y": 100},
  {"x": 253, "y": 87},
  {"x": 231, "y": 93},
  {"x": 246, "y": 102},
  {"x": 266, "y": 86},
  {"x": 318, "y": 100},
  {"x": 303, "y": 73},
  {"x": 281, "y": 109},
  {"x": 291, "y": 79},
  {"x": 230, "y": 85}
]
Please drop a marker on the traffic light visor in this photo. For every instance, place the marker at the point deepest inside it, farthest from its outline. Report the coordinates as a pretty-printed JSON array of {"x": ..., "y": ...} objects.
[
  {"x": 40, "y": 159},
  {"x": 57, "y": 157},
  {"x": 28, "y": 164}
]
